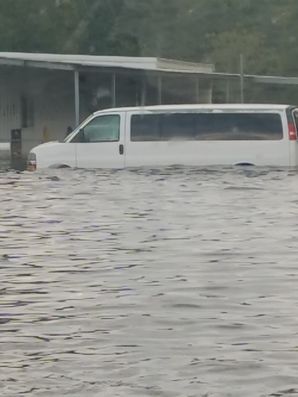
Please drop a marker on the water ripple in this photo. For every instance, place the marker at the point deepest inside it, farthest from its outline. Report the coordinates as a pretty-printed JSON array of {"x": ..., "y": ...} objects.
[{"x": 165, "y": 282}]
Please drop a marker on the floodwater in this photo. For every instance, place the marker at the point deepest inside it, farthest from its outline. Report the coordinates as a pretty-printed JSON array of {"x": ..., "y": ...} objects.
[{"x": 173, "y": 282}]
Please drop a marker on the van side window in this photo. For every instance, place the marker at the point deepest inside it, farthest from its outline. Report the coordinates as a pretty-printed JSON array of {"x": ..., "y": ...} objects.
[
  {"x": 100, "y": 129},
  {"x": 238, "y": 126},
  {"x": 206, "y": 126},
  {"x": 145, "y": 127},
  {"x": 177, "y": 126}
]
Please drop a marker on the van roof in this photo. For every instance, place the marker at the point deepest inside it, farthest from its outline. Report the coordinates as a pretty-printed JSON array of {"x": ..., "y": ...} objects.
[{"x": 248, "y": 106}]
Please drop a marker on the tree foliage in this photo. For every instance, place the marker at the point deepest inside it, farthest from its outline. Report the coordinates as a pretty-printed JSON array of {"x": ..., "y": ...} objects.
[{"x": 217, "y": 31}]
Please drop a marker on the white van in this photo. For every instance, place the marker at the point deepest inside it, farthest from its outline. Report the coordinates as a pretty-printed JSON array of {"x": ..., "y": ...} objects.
[{"x": 203, "y": 135}]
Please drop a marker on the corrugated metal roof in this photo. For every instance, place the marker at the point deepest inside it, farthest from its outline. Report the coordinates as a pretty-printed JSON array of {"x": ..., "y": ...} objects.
[
  {"x": 150, "y": 64},
  {"x": 65, "y": 61}
]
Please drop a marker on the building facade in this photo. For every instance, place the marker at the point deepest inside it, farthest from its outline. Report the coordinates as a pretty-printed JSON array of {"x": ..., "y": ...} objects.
[{"x": 44, "y": 96}]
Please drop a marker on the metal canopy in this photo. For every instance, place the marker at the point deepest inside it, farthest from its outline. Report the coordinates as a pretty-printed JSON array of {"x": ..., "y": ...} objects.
[
  {"x": 115, "y": 63},
  {"x": 71, "y": 62}
]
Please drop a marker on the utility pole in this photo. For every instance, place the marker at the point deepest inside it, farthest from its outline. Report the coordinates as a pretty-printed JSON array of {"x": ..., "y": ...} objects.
[{"x": 241, "y": 78}]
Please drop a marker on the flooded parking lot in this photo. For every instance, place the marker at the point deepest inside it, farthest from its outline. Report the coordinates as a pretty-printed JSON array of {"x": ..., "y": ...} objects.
[{"x": 173, "y": 282}]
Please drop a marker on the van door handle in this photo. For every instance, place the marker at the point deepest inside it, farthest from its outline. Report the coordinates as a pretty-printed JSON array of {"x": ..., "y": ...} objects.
[{"x": 121, "y": 148}]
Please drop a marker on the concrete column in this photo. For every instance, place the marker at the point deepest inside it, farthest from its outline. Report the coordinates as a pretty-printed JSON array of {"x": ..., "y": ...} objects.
[
  {"x": 197, "y": 89},
  {"x": 113, "y": 90},
  {"x": 228, "y": 91},
  {"x": 159, "y": 90},
  {"x": 143, "y": 94}
]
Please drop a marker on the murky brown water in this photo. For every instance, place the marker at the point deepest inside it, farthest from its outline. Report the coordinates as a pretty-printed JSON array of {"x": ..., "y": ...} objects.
[{"x": 177, "y": 282}]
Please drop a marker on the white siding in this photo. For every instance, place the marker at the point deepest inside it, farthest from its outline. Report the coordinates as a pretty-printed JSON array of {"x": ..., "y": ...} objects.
[
  {"x": 10, "y": 114},
  {"x": 51, "y": 98}
]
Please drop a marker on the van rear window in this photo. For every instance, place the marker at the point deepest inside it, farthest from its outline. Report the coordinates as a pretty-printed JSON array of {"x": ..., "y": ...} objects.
[{"x": 206, "y": 126}]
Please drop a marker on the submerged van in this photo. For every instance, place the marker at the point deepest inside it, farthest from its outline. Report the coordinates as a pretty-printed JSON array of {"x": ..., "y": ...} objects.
[{"x": 202, "y": 135}]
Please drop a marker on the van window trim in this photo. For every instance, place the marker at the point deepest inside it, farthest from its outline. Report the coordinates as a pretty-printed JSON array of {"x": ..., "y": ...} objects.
[{"x": 210, "y": 111}]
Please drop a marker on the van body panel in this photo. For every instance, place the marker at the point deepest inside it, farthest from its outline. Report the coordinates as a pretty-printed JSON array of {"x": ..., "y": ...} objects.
[
  {"x": 107, "y": 139},
  {"x": 98, "y": 155},
  {"x": 55, "y": 154},
  {"x": 103, "y": 154},
  {"x": 207, "y": 152}
]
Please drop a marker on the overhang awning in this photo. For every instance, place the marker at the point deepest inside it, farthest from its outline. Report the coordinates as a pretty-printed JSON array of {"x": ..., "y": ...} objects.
[
  {"x": 150, "y": 64},
  {"x": 74, "y": 62}
]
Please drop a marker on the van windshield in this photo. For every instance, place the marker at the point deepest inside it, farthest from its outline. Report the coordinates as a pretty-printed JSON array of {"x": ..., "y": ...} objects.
[{"x": 100, "y": 129}]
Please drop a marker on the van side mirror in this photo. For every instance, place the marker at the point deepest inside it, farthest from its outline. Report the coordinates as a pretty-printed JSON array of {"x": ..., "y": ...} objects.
[{"x": 80, "y": 137}]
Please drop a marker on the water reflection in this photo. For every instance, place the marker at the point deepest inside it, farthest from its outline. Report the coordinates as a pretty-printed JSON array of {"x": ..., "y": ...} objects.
[{"x": 172, "y": 282}]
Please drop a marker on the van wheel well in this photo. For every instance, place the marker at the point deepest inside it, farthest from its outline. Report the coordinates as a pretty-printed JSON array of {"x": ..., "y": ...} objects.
[
  {"x": 59, "y": 166},
  {"x": 244, "y": 164}
]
